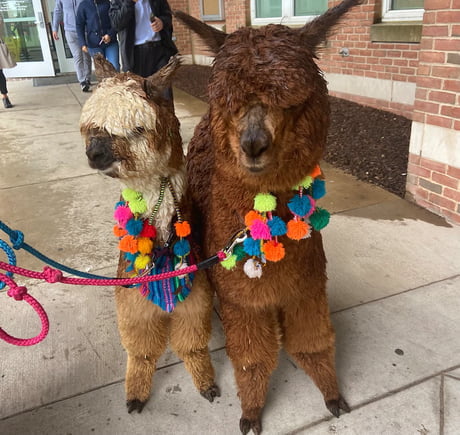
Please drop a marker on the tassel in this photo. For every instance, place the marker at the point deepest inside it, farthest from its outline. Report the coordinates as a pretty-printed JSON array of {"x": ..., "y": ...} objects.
[
  {"x": 320, "y": 218},
  {"x": 297, "y": 229},
  {"x": 134, "y": 226},
  {"x": 182, "y": 229},
  {"x": 141, "y": 262},
  {"x": 122, "y": 215},
  {"x": 277, "y": 226},
  {"x": 118, "y": 231},
  {"x": 148, "y": 230},
  {"x": 301, "y": 205},
  {"x": 144, "y": 245},
  {"x": 229, "y": 263},
  {"x": 251, "y": 216},
  {"x": 181, "y": 248},
  {"x": 252, "y": 247},
  {"x": 260, "y": 230},
  {"x": 128, "y": 244},
  {"x": 318, "y": 189},
  {"x": 264, "y": 202}
]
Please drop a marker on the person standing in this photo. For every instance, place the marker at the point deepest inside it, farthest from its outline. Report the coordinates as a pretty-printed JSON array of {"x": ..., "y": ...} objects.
[
  {"x": 95, "y": 31},
  {"x": 66, "y": 10},
  {"x": 145, "y": 34},
  {"x": 6, "y": 61}
]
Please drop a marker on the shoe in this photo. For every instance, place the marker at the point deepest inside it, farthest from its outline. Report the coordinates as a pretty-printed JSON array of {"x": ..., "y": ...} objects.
[
  {"x": 7, "y": 103},
  {"x": 85, "y": 86}
]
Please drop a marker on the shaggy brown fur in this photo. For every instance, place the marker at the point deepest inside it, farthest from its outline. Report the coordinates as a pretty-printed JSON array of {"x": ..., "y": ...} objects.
[
  {"x": 265, "y": 131},
  {"x": 132, "y": 134}
]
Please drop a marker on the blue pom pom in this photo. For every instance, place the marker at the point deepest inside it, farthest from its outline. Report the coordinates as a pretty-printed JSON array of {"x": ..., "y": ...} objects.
[
  {"x": 134, "y": 226},
  {"x": 300, "y": 205},
  {"x": 277, "y": 226},
  {"x": 251, "y": 246},
  {"x": 131, "y": 258},
  {"x": 318, "y": 190},
  {"x": 181, "y": 248},
  {"x": 119, "y": 204}
]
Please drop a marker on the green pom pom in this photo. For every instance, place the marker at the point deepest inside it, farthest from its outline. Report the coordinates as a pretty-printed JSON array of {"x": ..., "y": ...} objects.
[
  {"x": 229, "y": 263},
  {"x": 137, "y": 203},
  {"x": 320, "y": 218},
  {"x": 238, "y": 251},
  {"x": 264, "y": 202},
  {"x": 130, "y": 195},
  {"x": 305, "y": 183}
]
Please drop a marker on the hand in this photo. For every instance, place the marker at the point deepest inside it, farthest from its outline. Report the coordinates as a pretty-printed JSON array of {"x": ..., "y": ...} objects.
[
  {"x": 85, "y": 49},
  {"x": 106, "y": 39},
  {"x": 157, "y": 25},
  {"x": 55, "y": 36}
]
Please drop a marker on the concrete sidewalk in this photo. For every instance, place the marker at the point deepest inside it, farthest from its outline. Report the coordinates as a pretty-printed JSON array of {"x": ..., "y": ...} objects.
[{"x": 394, "y": 292}]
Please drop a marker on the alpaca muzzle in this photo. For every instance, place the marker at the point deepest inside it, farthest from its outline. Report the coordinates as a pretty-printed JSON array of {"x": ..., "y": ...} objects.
[{"x": 99, "y": 153}]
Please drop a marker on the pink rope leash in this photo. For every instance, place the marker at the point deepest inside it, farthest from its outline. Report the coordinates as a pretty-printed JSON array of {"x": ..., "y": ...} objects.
[
  {"x": 20, "y": 294},
  {"x": 53, "y": 275}
]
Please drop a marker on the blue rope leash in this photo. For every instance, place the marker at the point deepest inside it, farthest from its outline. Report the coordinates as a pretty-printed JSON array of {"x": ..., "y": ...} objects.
[
  {"x": 17, "y": 241},
  {"x": 11, "y": 259}
]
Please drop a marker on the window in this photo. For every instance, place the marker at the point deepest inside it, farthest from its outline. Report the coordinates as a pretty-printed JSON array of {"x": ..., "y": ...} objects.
[
  {"x": 212, "y": 10},
  {"x": 402, "y": 10},
  {"x": 285, "y": 11}
]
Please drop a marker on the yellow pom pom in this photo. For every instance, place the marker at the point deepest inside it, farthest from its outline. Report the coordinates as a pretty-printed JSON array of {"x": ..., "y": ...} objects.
[
  {"x": 305, "y": 183},
  {"x": 141, "y": 262},
  {"x": 144, "y": 245},
  {"x": 229, "y": 263},
  {"x": 264, "y": 202}
]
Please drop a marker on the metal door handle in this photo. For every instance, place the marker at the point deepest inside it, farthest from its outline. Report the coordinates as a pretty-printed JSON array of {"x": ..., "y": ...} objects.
[{"x": 40, "y": 20}]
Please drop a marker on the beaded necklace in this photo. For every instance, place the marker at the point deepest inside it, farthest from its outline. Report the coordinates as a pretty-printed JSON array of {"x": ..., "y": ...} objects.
[
  {"x": 144, "y": 255},
  {"x": 264, "y": 228}
]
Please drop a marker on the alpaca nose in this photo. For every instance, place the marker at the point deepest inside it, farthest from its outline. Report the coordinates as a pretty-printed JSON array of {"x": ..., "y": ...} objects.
[
  {"x": 254, "y": 142},
  {"x": 99, "y": 153}
]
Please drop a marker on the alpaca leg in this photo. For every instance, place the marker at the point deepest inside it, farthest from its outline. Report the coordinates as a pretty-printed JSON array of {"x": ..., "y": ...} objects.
[
  {"x": 144, "y": 332},
  {"x": 190, "y": 334},
  {"x": 253, "y": 343},
  {"x": 309, "y": 337}
]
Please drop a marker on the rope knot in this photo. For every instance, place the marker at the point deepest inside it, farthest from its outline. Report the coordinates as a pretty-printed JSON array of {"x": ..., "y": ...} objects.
[
  {"x": 17, "y": 292},
  {"x": 52, "y": 275},
  {"x": 17, "y": 239}
]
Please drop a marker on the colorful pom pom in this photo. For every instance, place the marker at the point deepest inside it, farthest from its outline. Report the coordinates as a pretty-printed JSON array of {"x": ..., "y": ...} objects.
[
  {"x": 260, "y": 230},
  {"x": 138, "y": 207},
  {"x": 128, "y": 244},
  {"x": 251, "y": 247},
  {"x": 251, "y": 216},
  {"x": 277, "y": 226},
  {"x": 301, "y": 205},
  {"x": 122, "y": 215},
  {"x": 264, "y": 202},
  {"x": 305, "y": 183},
  {"x": 229, "y": 263},
  {"x": 252, "y": 268},
  {"x": 144, "y": 245},
  {"x": 118, "y": 231},
  {"x": 182, "y": 229},
  {"x": 148, "y": 230},
  {"x": 181, "y": 248},
  {"x": 316, "y": 172},
  {"x": 141, "y": 262},
  {"x": 180, "y": 266},
  {"x": 131, "y": 195},
  {"x": 297, "y": 229},
  {"x": 134, "y": 226},
  {"x": 273, "y": 250},
  {"x": 318, "y": 190},
  {"x": 320, "y": 218},
  {"x": 238, "y": 250}
]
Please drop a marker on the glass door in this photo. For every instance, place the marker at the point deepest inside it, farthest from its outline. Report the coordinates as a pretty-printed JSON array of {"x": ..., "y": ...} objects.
[{"x": 25, "y": 34}]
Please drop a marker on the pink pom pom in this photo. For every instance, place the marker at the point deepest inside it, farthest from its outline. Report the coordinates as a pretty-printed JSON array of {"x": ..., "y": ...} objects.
[
  {"x": 260, "y": 230},
  {"x": 122, "y": 214}
]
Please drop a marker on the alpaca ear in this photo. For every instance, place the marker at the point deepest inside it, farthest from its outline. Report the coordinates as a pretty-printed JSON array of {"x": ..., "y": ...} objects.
[
  {"x": 212, "y": 37},
  {"x": 156, "y": 84},
  {"x": 103, "y": 67},
  {"x": 316, "y": 31}
]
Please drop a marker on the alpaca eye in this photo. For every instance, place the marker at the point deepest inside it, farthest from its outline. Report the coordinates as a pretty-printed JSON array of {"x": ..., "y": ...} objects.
[{"x": 138, "y": 131}]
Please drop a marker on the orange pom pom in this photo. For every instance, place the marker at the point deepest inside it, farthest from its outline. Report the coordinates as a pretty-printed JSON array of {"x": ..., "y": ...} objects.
[
  {"x": 128, "y": 244},
  {"x": 316, "y": 172},
  {"x": 118, "y": 231},
  {"x": 182, "y": 229},
  {"x": 297, "y": 229},
  {"x": 144, "y": 245},
  {"x": 273, "y": 250},
  {"x": 251, "y": 217}
]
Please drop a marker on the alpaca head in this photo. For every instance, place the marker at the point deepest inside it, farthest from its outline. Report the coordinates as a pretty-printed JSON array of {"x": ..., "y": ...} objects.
[
  {"x": 268, "y": 99},
  {"x": 130, "y": 129}
]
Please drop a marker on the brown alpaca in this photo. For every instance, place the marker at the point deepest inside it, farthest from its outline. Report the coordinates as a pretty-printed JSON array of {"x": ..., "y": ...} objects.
[
  {"x": 132, "y": 134},
  {"x": 265, "y": 132}
]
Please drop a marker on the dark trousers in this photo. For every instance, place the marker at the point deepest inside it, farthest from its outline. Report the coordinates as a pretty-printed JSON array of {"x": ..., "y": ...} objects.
[
  {"x": 149, "y": 58},
  {"x": 3, "y": 89}
]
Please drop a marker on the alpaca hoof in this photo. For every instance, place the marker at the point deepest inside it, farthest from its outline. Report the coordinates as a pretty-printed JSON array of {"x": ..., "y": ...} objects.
[
  {"x": 134, "y": 405},
  {"x": 211, "y": 392},
  {"x": 336, "y": 405},
  {"x": 246, "y": 425}
]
